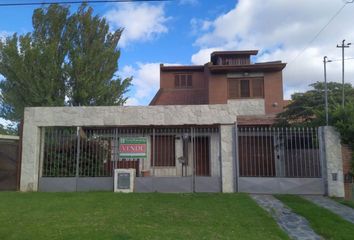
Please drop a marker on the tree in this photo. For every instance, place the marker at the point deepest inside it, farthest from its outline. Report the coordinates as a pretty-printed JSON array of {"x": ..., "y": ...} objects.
[
  {"x": 68, "y": 59},
  {"x": 308, "y": 108}
]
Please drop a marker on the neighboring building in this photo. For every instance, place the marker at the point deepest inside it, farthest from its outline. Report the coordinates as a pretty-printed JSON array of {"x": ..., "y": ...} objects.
[{"x": 228, "y": 77}]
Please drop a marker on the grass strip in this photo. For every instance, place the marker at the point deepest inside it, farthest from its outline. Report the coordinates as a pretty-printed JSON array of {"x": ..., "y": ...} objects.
[
  {"x": 99, "y": 215},
  {"x": 322, "y": 221}
]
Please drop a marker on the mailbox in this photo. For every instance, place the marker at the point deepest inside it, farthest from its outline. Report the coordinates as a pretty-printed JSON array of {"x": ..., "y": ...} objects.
[{"x": 124, "y": 180}]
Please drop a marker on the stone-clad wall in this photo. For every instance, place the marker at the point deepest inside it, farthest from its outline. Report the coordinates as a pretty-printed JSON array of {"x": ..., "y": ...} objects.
[
  {"x": 143, "y": 115},
  {"x": 227, "y": 156},
  {"x": 37, "y": 117},
  {"x": 331, "y": 155}
]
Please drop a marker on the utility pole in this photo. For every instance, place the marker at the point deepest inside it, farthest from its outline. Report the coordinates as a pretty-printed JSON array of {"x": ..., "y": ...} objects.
[
  {"x": 325, "y": 61},
  {"x": 342, "y": 47}
]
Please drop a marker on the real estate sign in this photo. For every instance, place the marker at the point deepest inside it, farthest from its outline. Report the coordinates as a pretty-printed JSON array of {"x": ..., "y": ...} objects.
[{"x": 132, "y": 147}]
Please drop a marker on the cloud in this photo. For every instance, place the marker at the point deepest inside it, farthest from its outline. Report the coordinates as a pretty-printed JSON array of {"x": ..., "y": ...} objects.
[
  {"x": 146, "y": 80},
  {"x": 203, "y": 56},
  {"x": 132, "y": 102},
  {"x": 281, "y": 30},
  {"x": 199, "y": 25},
  {"x": 4, "y": 35},
  {"x": 141, "y": 22}
]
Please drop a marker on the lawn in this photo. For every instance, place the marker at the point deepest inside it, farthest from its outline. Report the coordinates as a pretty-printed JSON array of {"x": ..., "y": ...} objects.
[
  {"x": 133, "y": 216},
  {"x": 349, "y": 203},
  {"x": 324, "y": 222}
]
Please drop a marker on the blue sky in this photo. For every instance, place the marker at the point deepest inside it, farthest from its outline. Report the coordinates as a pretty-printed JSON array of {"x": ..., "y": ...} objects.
[{"x": 187, "y": 31}]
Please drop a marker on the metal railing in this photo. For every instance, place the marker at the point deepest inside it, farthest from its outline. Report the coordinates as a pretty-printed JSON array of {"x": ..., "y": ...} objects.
[
  {"x": 278, "y": 152},
  {"x": 97, "y": 151}
]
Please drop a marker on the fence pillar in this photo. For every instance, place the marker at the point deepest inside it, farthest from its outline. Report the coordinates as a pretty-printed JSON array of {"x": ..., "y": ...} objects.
[
  {"x": 30, "y": 154},
  {"x": 331, "y": 158},
  {"x": 226, "y": 154}
]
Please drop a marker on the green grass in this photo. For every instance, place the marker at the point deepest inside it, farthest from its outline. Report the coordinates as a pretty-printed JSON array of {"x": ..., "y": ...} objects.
[
  {"x": 322, "y": 221},
  {"x": 349, "y": 203},
  {"x": 133, "y": 216}
]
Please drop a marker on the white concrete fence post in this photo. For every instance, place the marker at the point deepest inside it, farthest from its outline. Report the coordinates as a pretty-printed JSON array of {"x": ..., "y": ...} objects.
[
  {"x": 227, "y": 158},
  {"x": 331, "y": 158}
]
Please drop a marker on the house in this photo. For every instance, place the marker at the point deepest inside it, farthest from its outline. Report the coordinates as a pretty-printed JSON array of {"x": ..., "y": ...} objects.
[
  {"x": 206, "y": 130},
  {"x": 230, "y": 76}
]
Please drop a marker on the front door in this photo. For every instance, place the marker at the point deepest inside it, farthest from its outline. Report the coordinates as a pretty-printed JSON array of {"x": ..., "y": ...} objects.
[{"x": 202, "y": 156}]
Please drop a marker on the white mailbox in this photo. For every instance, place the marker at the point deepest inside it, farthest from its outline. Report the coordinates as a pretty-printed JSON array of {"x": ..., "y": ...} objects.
[{"x": 124, "y": 180}]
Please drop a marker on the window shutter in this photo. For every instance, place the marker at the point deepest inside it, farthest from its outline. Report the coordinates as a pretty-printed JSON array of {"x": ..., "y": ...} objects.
[
  {"x": 189, "y": 80},
  {"x": 257, "y": 87},
  {"x": 234, "y": 91},
  {"x": 177, "y": 83},
  {"x": 245, "y": 88}
]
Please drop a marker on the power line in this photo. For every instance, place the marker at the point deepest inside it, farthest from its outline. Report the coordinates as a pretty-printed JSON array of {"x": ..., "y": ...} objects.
[
  {"x": 321, "y": 30},
  {"x": 74, "y": 2},
  {"x": 335, "y": 60}
]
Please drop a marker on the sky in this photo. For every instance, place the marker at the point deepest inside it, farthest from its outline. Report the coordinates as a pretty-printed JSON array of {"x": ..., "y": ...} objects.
[{"x": 187, "y": 31}]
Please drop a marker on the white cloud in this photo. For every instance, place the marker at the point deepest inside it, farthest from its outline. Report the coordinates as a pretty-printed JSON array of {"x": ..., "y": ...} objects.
[
  {"x": 199, "y": 25},
  {"x": 203, "y": 56},
  {"x": 146, "y": 80},
  {"x": 141, "y": 22},
  {"x": 132, "y": 102},
  {"x": 4, "y": 34},
  {"x": 281, "y": 30}
]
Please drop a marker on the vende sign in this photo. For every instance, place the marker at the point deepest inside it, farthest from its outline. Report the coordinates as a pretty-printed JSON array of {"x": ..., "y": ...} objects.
[{"x": 132, "y": 147}]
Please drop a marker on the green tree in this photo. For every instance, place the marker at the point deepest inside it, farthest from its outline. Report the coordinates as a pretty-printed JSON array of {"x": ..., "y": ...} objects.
[
  {"x": 68, "y": 59},
  {"x": 308, "y": 108}
]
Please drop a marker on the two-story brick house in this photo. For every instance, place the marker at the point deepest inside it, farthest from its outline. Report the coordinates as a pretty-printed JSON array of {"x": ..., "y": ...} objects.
[{"x": 229, "y": 76}]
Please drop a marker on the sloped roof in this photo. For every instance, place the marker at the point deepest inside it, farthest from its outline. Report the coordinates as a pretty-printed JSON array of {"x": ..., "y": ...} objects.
[{"x": 180, "y": 97}]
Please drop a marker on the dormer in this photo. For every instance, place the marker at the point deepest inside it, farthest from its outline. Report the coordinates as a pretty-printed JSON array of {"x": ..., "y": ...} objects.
[{"x": 232, "y": 57}]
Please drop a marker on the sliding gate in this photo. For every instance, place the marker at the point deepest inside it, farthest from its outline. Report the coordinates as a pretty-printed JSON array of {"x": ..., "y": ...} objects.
[
  {"x": 166, "y": 159},
  {"x": 278, "y": 160}
]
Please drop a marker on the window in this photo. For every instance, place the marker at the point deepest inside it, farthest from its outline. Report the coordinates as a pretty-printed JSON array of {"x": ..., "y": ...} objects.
[
  {"x": 245, "y": 88},
  {"x": 234, "y": 60},
  {"x": 183, "y": 80},
  {"x": 177, "y": 80},
  {"x": 234, "y": 90},
  {"x": 164, "y": 147},
  {"x": 257, "y": 87},
  {"x": 189, "y": 80}
]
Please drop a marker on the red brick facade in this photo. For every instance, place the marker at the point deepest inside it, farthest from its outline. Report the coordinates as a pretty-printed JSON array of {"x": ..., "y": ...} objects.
[
  {"x": 210, "y": 83},
  {"x": 347, "y": 158}
]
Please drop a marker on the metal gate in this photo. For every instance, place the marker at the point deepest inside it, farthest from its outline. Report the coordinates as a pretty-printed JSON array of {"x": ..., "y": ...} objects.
[
  {"x": 178, "y": 159},
  {"x": 9, "y": 163},
  {"x": 278, "y": 160}
]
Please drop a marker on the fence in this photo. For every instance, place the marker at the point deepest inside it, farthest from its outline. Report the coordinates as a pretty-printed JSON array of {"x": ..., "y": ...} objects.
[
  {"x": 278, "y": 159},
  {"x": 9, "y": 163},
  {"x": 180, "y": 159},
  {"x": 88, "y": 152}
]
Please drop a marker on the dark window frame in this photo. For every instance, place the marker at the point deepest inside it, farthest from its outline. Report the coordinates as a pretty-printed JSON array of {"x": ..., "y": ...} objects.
[
  {"x": 234, "y": 90},
  {"x": 183, "y": 80}
]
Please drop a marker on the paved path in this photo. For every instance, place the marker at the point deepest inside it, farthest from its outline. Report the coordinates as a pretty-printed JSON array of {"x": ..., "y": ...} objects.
[
  {"x": 345, "y": 212},
  {"x": 294, "y": 225}
]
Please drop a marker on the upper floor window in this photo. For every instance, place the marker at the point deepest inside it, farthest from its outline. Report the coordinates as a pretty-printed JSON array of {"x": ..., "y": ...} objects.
[
  {"x": 183, "y": 80},
  {"x": 245, "y": 88},
  {"x": 233, "y": 60}
]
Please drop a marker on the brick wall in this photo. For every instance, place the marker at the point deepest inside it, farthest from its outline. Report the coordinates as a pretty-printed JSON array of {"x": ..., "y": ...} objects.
[{"x": 347, "y": 157}]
